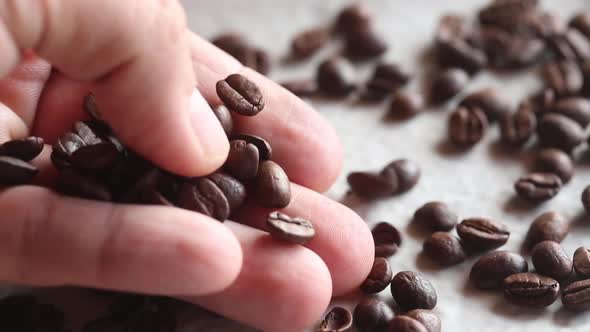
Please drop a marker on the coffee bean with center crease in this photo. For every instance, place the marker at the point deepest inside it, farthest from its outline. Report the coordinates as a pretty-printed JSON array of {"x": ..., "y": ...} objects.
[
  {"x": 405, "y": 105},
  {"x": 308, "y": 42},
  {"x": 447, "y": 84},
  {"x": 24, "y": 149},
  {"x": 538, "y": 187},
  {"x": 294, "y": 230},
  {"x": 452, "y": 50},
  {"x": 405, "y": 171},
  {"x": 549, "y": 226},
  {"x": 272, "y": 188},
  {"x": 405, "y": 324},
  {"x": 517, "y": 129},
  {"x": 387, "y": 239},
  {"x": 563, "y": 76},
  {"x": 337, "y": 320},
  {"x": 363, "y": 43},
  {"x": 492, "y": 268},
  {"x": 557, "y": 162},
  {"x": 436, "y": 216},
  {"x": 429, "y": 319},
  {"x": 467, "y": 126},
  {"x": 581, "y": 22},
  {"x": 490, "y": 101},
  {"x": 444, "y": 249},
  {"x": 575, "y": 108},
  {"x": 372, "y": 185},
  {"x": 372, "y": 315},
  {"x": 561, "y": 132},
  {"x": 301, "y": 87},
  {"x": 353, "y": 17},
  {"x": 386, "y": 78},
  {"x": 76, "y": 185},
  {"x": 242, "y": 160},
  {"x": 223, "y": 114},
  {"x": 240, "y": 95},
  {"x": 576, "y": 296},
  {"x": 379, "y": 277},
  {"x": 264, "y": 147},
  {"x": 205, "y": 197},
  {"x": 234, "y": 190},
  {"x": 336, "y": 77},
  {"x": 412, "y": 290},
  {"x": 15, "y": 171},
  {"x": 551, "y": 260},
  {"x": 582, "y": 262},
  {"x": 482, "y": 234},
  {"x": 531, "y": 290}
]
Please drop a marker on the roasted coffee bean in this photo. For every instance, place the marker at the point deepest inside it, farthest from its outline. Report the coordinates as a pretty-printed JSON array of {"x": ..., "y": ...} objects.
[
  {"x": 308, "y": 42},
  {"x": 242, "y": 160},
  {"x": 531, "y": 290},
  {"x": 586, "y": 199},
  {"x": 387, "y": 78},
  {"x": 506, "y": 14},
  {"x": 405, "y": 105},
  {"x": 234, "y": 190},
  {"x": 237, "y": 46},
  {"x": 492, "y": 268},
  {"x": 561, "y": 48},
  {"x": 517, "y": 129},
  {"x": 295, "y": 230},
  {"x": 429, "y": 319},
  {"x": 205, "y": 197},
  {"x": 489, "y": 101},
  {"x": 76, "y": 185},
  {"x": 25, "y": 149},
  {"x": 579, "y": 44},
  {"x": 510, "y": 52},
  {"x": 447, "y": 84},
  {"x": 581, "y": 22},
  {"x": 301, "y": 88},
  {"x": 557, "y": 162},
  {"x": 576, "y": 296},
  {"x": 551, "y": 260},
  {"x": 240, "y": 95},
  {"x": 460, "y": 54},
  {"x": 387, "y": 239},
  {"x": 412, "y": 290},
  {"x": 549, "y": 226},
  {"x": 353, "y": 17},
  {"x": 436, "y": 216},
  {"x": 405, "y": 324},
  {"x": 272, "y": 188},
  {"x": 403, "y": 171},
  {"x": 564, "y": 77},
  {"x": 337, "y": 320},
  {"x": 559, "y": 131},
  {"x": 224, "y": 116},
  {"x": 336, "y": 77},
  {"x": 582, "y": 262},
  {"x": 575, "y": 108},
  {"x": 264, "y": 148},
  {"x": 16, "y": 172},
  {"x": 540, "y": 102},
  {"x": 372, "y": 185},
  {"x": 467, "y": 126},
  {"x": 445, "y": 249},
  {"x": 364, "y": 43},
  {"x": 379, "y": 277},
  {"x": 91, "y": 108},
  {"x": 230, "y": 42},
  {"x": 482, "y": 234},
  {"x": 97, "y": 153},
  {"x": 372, "y": 315},
  {"x": 538, "y": 187}
]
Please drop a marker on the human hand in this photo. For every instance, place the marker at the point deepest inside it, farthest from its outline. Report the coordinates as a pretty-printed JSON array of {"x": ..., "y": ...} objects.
[{"x": 143, "y": 65}]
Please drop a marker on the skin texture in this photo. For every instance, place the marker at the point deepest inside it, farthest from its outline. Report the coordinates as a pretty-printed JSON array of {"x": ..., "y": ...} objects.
[{"x": 150, "y": 99}]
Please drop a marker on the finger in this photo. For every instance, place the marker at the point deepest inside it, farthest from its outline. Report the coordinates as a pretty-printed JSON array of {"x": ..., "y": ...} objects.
[
  {"x": 342, "y": 238},
  {"x": 303, "y": 142},
  {"x": 136, "y": 54},
  {"x": 289, "y": 281},
  {"x": 49, "y": 240}
]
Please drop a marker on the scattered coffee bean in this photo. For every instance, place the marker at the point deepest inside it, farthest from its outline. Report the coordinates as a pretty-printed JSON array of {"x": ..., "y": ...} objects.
[
  {"x": 242, "y": 160},
  {"x": 336, "y": 77},
  {"x": 557, "y": 162},
  {"x": 205, "y": 197},
  {"x": 564, "y": 77},
  {"x": 240, "y": 95},
  {"x": 538, "y": 187},
  {"x": 387, "y": 78},
  {"x": 559, "y": 131},
  {"x": 25, "y": 149},
  {"x": 379, "y": 277},
  {"x": 482, "y": 234},
  {"x": 224, "y": 116},
  {"x": 492, "y": 268},
  {"x": 575, "y": 108},
  {"x": 412, "y": 290},
  {"x": 364, "y": 43},
  {"x": 301, "y": 88},
  {"x": 429, "y": 319},
  {"x": 405, "y": 324},
  {"x": 405, "y": 105},
  {"x": 404, "y": 172},
  {"x": 508, "y": 52},
  {"x": 445, "y": 249},
  {"x": 372, "y": 315},
  {"x": 272, "y": 186},
  {"x": 337, "y": 320},
  {"x": 76, "y": 185},
  {"x": 237, "y": 46},
  {"x": 518, "y": 128},
  {"x": 467, "y": 126},
  {"x": 540, "y": 102},
  {"x": 458, "y": 53},
  {"x": 387, "y": 239},
  {"x": 531, "y": 290},
  {"x": 295, "y": 230},
  {"x": 436, "y": 216},
  {"x": 447, "y": 84},
  {"x": 507, "y": 14},
  {"x": 15, "y": 171},
  {"x": 551, "y": 260},
  {"x": 489, "y": 101},
  {"x": 581, "y": 22},
  {"x": 264, "y": 148},
  {"x": 230, "y": 42},
  {"x": 576, "y": 296},
  {"x": 356, "y": 16},
  {"x": 549, "y": 226},
  {"x": 582, "y": 262},
  {"x": 372, "y": 185},
  {"x": 308, "y": 42}
]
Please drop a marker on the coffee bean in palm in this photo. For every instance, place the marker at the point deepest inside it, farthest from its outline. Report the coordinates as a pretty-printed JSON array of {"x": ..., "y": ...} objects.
[
  {"x": 336, "y": 77},
  {"x": 15, "y": 171},
  {"x": 24, "y": 149},
  {"x": 364, "y": 43},
  {"x": 372, "y": 315},
  {"x": 412, "y": 290},
  {"x": 447, "y": 84},
  {"x": 91, "y": 108},
  {"x": 563, "y": 76},
  {"x": 576, "y": 296},
  {"x": 240, "y": 95},
  {"x": 436, "y": 216},
  {"x": 405, "y": 324},
  {"x": 517, "y": 129},
  {"x": 234, "y": 190},
  {"x": 76, "y": 185},
  {"x": 482, "y": 234},
  {"x": 387, "y": 239},
  {"x": 581, "y": 22},
  {"x": 308, "y": 42},
  {"x": 490, "y": 101},
  {"x": 336, "y": 320},
  {"x": 379, "y": 277},
  {"x": 403, "y": 171},
  {"x": 205, "y": 197},
  {"x": 582, "y": 262},
  {"x": 555, "y": 161},
  {"x": 405, "y": 105},
  {"x": 467, "y": 126},
  {"x": 386, "y": 78},
  {"x": 575, "y": 108},
  {"x": 95, "y": 153},
  {"x": 372, "y": 185},
  {"x": 353, "y": 17},
  {"x": 242, "y": 160},
  {"x": 551, "y": 260},
  {"x": 444, "y": 249},
  {"x": 285, "y": 228},
  {"x": 272, "y": 188},
  {"x": 264, "y": 147},
  {"x": 223, "y": 114},
  {"x": 559, "y": 131},
  {"x": 538, "y": 187},
  {"x": 301, "y": 87},
  {"x": 549, "y": 226},
  {"x": 429, "y": 319},
  {"x": 492, "y": 268},
  {"x": 531, "y": 290}
]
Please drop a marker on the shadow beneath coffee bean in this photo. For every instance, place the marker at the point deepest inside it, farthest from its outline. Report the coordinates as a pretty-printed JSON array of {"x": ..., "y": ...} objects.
[
  {"x": 498, "y": 150},
  {"x": 416, "y": 231},
  {"x": 425, "y": 264},
  {"x": 447, "y": 149},
  {"x": 566, "y": 318},
  {"x": 355, "y": 203},
  {"x": 510, "y": 311},
  {"x": 580, "y": 221},
  {"x": 487, "y": 296},
  {"x": 518, "y": 206}
]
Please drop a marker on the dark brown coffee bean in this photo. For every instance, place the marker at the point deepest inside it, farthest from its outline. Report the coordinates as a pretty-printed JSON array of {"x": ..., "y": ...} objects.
[
  {"x": 564, "y": 77},
  {"x": 15, "y": 171},
  {"x": 240, "y": 95},
  {"x": 294, "y": 230},
  {"x": 242, "y": 160},
  {"x": 582, "y": 262},
  {"x": 575, "y": 108},
  {"x": 379, "y": 277},
  {"x": 489, "y": 101},
  {"x": 224, "y": 116},
  {"x": 387, "y": 239},
  {"x": 264, "y": 148},
  {"x": 301, "y": 88},
  {"x": 559, "y": 45},
  {"x": 467, "y": 126},
  {"x": 372, "y": 185},
  {"x": 308, "y": 42},
  {"x": 412, "y": 290},
  {"x": 581, "y": 22},
  {"x": 482, "y": 234},
  {"x": 76, "y": 185},
  {"x": 457, "y": 52},
  {"x": 492, "y": 268},
  {"x": 230, "y": 42},
  {"x": 96, "y": 154},
  {"x": 447, "y": 84},
  {"x": 557, "y": 162},
  {"x": 551, "y": 260},
  {"x": 372, "y": 315},
  {"x": 154, "y": 197},
  {"x": 510, "y": 52},
  {"x": 445, "y": 249},
  {"x": 205, "y": 197},
  {"x": 336, "y": 77},
  {"x": 436, "y": 216},
  {"x": 586, "y": 199},
  {"x": 517, "y": 129},
  {"x": 531, "y": 290},
  {"x": 353, "y": 17},
  {"x": 405, "y": 324},
  {"x": 403, "y": 171},
  {"x": 506, "y": 14},
  {"x": 405, "y": 105},
  {"x": 429, "y": 319},
  {"x": 364, "y": 43},
  {"x": 237, "y": 46},
  {"x": 561, "y": 132},
  {"x": 337, "y": 320},
  {"x": 91, "y": 108},
  {"x": 540, "y": 102},
  {"x": 549, "y": 226},
  {"x": 576, "y": 296},
  {"x": 538, "y": 187},
  {"x": 387, "y": 78},
  {"x": 234, "y": 190},
  {"x": 24, "y": 149},
  {"x": 272, "y": 188}
]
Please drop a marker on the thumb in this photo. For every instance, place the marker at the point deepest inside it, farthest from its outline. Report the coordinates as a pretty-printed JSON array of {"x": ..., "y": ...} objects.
[{"x": 136, "y": 55}]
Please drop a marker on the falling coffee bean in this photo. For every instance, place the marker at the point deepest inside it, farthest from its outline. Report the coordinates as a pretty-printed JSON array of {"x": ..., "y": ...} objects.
[
  {"x": 240, "y": 95},
  {"x": 531, "y": 290},
  {"x": 405, "y": 105},
  {"x": 301, "y": 88},
  {"x": 242, "y": 160},
  {"x": 336, "y": 77},
  {"x": 517, "y": 129},
  {"x": 405, "y": 324},
  {"x": 490, "y": 101},
  {"x": 482, "y": 234},
  {"x": 387, "y": 239},
  {"x": 336, "y": 320},
  {"x": 575, "y": 108},
  {"x": 582, "y": 262},
  {"x": 379, "y": 277},
  {"x": 436, "y": 216},
  {"x": 447, "y": 84},
  {"x": 371, "y": 185},
  {"x": 429, "y": 319},
  {"x": 576, "y": 296},
  {"x": 223, "y": 114},
  {"x": 557, "y": 162},
  {"x": 492, "y": 268},
  {"x": 412, "y": 290},
  {"x": 372, "y": 315},
  {"x": 16, "y": 172},
  {"x": 563, "y": 76},
  {"x": 403, "y": 171},
  {"x": 272, "y": 188},
  {"x": 295, "y": 230},
  {"x": 308, "y": 42},
  {"x": 264, "y": 148},
  {"x": 444, "y": 249},
  {"x": 25, "y": 149},
  {"x": 549, "y": 226},
  {"x": 538, "y": 187},
  {"x": 467, "y": 126},
  {"x": 561, "y": 132},
  {"x": 551, "y": 260}
]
